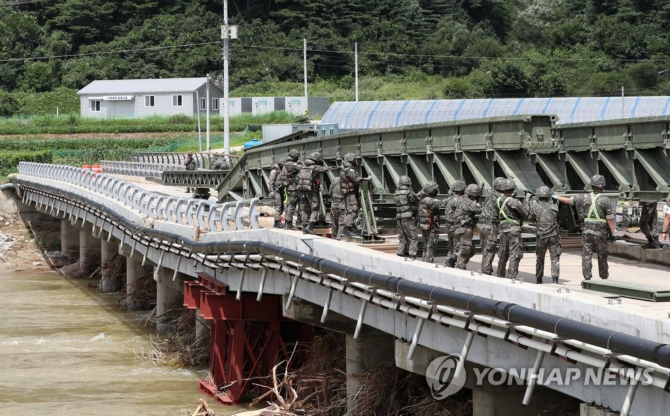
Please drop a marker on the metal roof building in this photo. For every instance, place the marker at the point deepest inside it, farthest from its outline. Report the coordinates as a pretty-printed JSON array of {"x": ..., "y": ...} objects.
[
  {"x": 147, "y": 97},
  {"x": 377, "y": 114}
]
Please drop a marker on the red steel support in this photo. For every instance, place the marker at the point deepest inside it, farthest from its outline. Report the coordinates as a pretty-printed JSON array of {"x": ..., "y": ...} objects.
[{"x": 248, "y": 337}]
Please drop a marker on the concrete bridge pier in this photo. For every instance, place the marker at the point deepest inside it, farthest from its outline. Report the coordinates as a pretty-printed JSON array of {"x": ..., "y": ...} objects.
[
  {"x": 69, "y": 239},
  {"x": 169, "y": 296},
  {"x": 108, "y": 283},
  {"x": 134, "y": 270},
  {"x": 89, "y": 250},
  {"x": 369, "y": 350}
]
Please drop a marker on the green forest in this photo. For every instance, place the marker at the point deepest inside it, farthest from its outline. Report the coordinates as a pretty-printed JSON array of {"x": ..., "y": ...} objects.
[{"x": 408, "y": 49}]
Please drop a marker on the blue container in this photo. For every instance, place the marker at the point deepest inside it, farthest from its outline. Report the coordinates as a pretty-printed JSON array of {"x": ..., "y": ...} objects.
[{"x": 252, "y": 143}]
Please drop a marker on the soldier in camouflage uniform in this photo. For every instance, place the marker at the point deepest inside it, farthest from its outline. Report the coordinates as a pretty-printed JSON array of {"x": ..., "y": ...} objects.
[
  {"x": 190, "y": 164},
  {"x": 277, "y": 186},
  {"x": 220, "y": 164},
  {"x": 648, "y": 220},
  {"x": 545, "y": 216},
  {"x": 350, "y": 184},
  {"x": 429, "y": 219},
  {"x": 309, "y": 186},
  {"x": 488, "y": 226},
  {"x": 450, "y": 204},
  {"x": 511, "y": 213},
  {"x": 336, "y": 209},
  {"x": 406, "y": 202},
  {"x": 466, "y": 217},
  {"x": 290, "y": 172},
  {"x": 666, "y": 219},
  {"x": 598, "y": 216}
]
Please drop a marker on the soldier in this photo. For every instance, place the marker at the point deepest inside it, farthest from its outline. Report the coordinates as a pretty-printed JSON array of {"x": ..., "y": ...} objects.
[
  {"x": 349, "y": 186},
  {"x": 290, "y": 172},
  {"x": 405, "y": 203},
  {"x": 598, "y": 215},
  {"x": 190, "y": 164},
  {"x": 488, "y": 227},
  {"x": 666, "y": 219},
  {"x": 545, "y": 215},
  {"x": 277, "y": 186},
  {"x": 429, "y": 219},
  {"x": 648, "y": 219},
  {"x": 466, "y": 220},
  {"x": 511, "y": 213},
  {"x": 220, "y": 164},
  {"x": 309, "y": 186},
  {"x": 336, "y": 208},
  {"x": 450, "y": 204}
]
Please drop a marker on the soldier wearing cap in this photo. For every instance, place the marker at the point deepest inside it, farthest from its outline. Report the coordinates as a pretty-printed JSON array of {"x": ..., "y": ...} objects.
[
  {"x": 488, "y": 226},
  {"x": 406, "y": 202},
  {"x": 511, "y": 213},
  {"x": 350, "y": 184},
  {"x": 290, "y": 172},
  {"x": 598, "y": 216},
  {"x": 466, "y": 220},
  {"x": 450, "y": 204},
  {"x": 429, "y": 219},
  {"x": 277, "y": 187},
  {"x": 545, "y": 215}
]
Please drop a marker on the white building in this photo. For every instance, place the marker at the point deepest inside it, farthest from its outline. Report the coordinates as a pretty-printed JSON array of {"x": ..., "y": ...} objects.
[{"x": 147, "y": 97}]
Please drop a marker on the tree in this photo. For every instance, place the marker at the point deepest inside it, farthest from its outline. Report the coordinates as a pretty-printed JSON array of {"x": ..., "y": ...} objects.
[{"x": 8, "y": 104}]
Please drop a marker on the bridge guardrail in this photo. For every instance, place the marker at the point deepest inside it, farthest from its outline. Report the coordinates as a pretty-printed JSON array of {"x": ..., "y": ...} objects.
[
  {"x": 180, "y": 210},
  {"x": 203, "y": 160},
  {"x": 140, "y": 169}
]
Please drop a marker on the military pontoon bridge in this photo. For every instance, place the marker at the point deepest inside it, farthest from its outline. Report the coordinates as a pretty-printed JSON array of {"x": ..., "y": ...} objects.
[{"x": 254, "y": 284}]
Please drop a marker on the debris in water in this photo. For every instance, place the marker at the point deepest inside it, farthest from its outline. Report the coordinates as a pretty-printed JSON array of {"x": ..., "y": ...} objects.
[{"x": 202, "y": 409}]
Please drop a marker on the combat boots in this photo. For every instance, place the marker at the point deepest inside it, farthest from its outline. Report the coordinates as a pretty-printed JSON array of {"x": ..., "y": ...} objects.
[
  {"x": 539, "y": 281},
  {"x": 289, "y": 226},
  {"x": 653, "y": 243},
  {"x": 278, "y": 224},
  {"x": 308, "y": 229},
  {"x": 349, "y": 232},
  {"x": 554, "y": 280},
  {"x": 450, "y": 261}
]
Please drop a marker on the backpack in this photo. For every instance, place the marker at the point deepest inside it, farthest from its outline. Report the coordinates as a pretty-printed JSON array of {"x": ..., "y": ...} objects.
[{"x": 304, "y": 179}]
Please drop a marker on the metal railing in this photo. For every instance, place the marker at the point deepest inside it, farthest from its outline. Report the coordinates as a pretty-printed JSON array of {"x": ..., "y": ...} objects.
[
  {"x": 203, "y": 160},
  {"x": 140, "y": 169},
  {"x": 180, "y": 210}
]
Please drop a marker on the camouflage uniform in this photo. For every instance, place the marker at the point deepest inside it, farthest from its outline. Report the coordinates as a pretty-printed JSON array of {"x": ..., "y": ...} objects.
[
  {"x": 450, "y": 220},
  {"x": 545, "y": 215},
  {"x": 429, "y": 220},
  {"x": 595, "y": 210},
  {"x": 190, "y": 164},
  {"x": 309, "y": 188},
  {"x": 648, "y": 219},
  {"x": 290, "y": 172},
  {"x": 406, "y": 202},
  {"x": 349, "y": 187},
  {"x": 277, "y": 182},
  {"x": 220, "y": 164},
  {"x": 488, "y": 227},
  {"x": 336, "y": 208},
  {"x": 511, "y": 212},
  {"x": 466, "y": 216}
]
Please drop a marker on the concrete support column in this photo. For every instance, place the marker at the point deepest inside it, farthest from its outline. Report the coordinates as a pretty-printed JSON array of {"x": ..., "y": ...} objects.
[
  {"x": 107, "y": 252},
  {"x": 30, "y": 213},
  {"x": 134, "y": 270},
  {"x": 69, "y": 239},
  {"x": 169, "y": 295},
  {"x": 507, "y": 401},
  {"x": 89, "y": 249},
  {"x": 362, "y": 354}
]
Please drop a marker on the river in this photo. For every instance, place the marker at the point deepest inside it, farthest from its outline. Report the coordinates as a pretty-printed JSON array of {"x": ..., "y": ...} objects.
[{"x": 65, "y": 350}]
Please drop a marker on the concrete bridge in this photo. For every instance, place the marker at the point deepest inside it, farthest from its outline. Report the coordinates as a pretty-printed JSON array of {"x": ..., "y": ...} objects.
[{"x": 216, "y": 258}]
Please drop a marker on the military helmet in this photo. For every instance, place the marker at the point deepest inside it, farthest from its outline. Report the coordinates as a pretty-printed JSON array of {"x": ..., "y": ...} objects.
[
  {"x": 350, "y": 158},
  {"x": 473, "y": 190},
  {"x": 497, "y": 183},
  {"x": 544, "y": 192},
  {"x": 430, "y": 188},
  {"x": 281, "y": 161},
  {"x": 316, "y": 157},
  {"x": 405, "y": 180},
  {"x": 294, "y": 154},
  {"x": 508, "y": 185},
  {"x": 458, "y": 186},
  {"x": 598, "y": 181}
]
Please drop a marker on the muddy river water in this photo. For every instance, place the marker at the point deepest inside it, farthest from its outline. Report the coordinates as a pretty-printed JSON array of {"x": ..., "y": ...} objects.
[{"x": 65, "y": 350}]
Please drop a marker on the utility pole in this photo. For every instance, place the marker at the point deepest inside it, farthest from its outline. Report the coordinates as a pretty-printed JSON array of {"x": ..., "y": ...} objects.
[
  {"x": 304, "y": 58},
  {"x": 197, "y": 98},
  {"x": 623, "y": 104},
  {"x": 356, "y": 66},
  {"x": 207, "y": 110},
  {"x": 225, "y": 32}
]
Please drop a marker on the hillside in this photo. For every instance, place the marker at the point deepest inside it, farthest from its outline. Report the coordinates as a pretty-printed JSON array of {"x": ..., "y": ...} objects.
[{"x": 420, "y": 48}]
